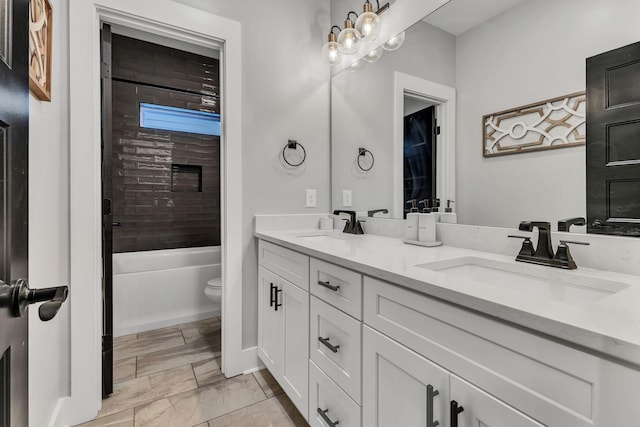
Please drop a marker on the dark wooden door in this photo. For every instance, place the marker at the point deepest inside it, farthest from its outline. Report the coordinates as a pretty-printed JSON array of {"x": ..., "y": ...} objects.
[
  {"x": 420, "y": 156},
  {"x": 613, "y": 142},
  {"x": 107, "y": 216},
  {"x": 14, "y": 127}
]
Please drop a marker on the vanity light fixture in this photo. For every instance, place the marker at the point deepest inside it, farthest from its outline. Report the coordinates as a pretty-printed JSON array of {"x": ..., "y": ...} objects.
[
  {"x": 330, "y": 50},
  {"x": 349, "y": 37}
]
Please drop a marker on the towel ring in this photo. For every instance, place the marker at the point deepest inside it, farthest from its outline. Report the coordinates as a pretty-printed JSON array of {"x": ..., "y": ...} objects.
[
  {"x": 294, "y": 146},
  {"x": 362, "y": 153}
]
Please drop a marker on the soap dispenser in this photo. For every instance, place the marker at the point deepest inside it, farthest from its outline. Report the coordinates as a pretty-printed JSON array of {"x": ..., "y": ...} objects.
[
  {"x": 411, "y": 223},
  {"x": 426, "y": 224},
  {"x": 448, "y": 216}
]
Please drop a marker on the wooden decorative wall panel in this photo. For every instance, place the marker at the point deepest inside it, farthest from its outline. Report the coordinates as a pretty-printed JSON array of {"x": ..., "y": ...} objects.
[
  {"x": 40, "y": 41},
  {"x": 554, "y": 123}
]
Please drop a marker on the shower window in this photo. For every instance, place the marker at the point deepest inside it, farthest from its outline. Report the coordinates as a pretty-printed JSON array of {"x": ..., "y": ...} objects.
[{"x": 179, "y": 119}]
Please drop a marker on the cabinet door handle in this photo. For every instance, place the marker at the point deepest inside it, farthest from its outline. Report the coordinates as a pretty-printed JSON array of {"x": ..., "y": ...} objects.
[
  {"x": 326, "y": 419},
  {"x": 431, "y": 393},
  {"x": 328, "y": 285},
  {"x": 277, "y": 304},
  {"x": 455, "y": 410},
  {"x": 272, "y": 296},
  {"x": 325, "y": 341}
]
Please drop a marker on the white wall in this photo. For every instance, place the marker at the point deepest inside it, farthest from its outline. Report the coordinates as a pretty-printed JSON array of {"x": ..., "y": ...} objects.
[
  {"x": 363, "y": 110},
  {"x": 49, "y": 343},
  {"x": 285, "y": 87},
  {"x": 531, "y": 53}
]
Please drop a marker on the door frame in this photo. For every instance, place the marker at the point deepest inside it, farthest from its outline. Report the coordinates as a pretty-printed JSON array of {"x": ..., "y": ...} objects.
[
  {"x": 444, "y": 98},
  {"x": 189, "y": 25}
]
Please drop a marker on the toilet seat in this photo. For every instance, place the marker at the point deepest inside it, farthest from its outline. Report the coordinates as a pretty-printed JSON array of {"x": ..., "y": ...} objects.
[{"x": 215, "y": 282}]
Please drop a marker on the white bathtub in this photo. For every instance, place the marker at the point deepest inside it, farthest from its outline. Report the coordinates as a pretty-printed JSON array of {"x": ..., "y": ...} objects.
[{"x": 154, "y": 289}]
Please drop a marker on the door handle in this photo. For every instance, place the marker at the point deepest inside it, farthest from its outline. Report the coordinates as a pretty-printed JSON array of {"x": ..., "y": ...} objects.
[
  {"x": 277, "y": 304},
  {"x": 328, "y": 285},
  {"x": 19, "y": 296},
  {"x": 271, "y": 297},
  {"x": 325, "y": 341},
  {"x": 431, "y": 393},
  {"x": 326, "y": 419},
  {"x": 116, "y": 224},
  {"x": 455, "y": 410}
]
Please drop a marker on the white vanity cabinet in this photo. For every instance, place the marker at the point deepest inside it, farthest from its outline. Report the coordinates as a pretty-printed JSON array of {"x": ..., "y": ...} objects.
[
  {"x": 354, "y": 351},
  {"x": 283, "y": 320},
  {"x": 500, "y": 374}
]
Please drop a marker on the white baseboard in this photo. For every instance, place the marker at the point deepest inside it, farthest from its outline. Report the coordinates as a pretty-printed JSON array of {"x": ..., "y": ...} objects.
[
  {"x": 60, "y": 415},
  {"x": 163, "y": 323}
]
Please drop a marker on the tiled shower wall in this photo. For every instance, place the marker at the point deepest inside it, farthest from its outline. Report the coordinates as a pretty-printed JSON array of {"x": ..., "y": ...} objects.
[{"x": 158, "y": 208}]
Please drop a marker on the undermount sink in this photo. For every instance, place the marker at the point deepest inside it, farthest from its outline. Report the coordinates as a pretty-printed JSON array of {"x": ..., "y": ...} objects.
[
  {"x": 318, "y": 235},
  {"x": 564, "y": 286}
]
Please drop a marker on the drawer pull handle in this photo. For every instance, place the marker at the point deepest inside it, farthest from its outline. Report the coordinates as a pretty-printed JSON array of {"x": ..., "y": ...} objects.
[
  {"x": 326, "y": 419},
  {"x": 277, "y": 304},
  {"x": 325, "y": 341},
  {"x": 328, "y": 285},
  {"x": 431, "y": 393},
  {"x": 455, "y": 410},
  {"x": 272, "y": 298}
]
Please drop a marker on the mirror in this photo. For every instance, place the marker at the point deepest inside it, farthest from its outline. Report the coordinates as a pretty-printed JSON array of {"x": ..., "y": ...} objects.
[{"x": 466, "y": 60}]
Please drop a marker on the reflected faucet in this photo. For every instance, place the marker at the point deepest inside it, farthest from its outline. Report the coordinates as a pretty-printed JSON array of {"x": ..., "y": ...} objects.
[
  {"x": 565, "y": 224},
  {"x": 375, "y": 211}
]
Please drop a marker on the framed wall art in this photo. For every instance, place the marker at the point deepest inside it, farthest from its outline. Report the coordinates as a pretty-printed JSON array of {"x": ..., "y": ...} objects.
[
  {"x": 40, "y": 41},
  {"x": 555, "y": 123}
]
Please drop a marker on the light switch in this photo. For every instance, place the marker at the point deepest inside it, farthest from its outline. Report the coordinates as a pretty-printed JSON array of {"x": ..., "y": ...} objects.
[
  {"x": 312, "y": 198},
  {"x": 347, "y": 200}
]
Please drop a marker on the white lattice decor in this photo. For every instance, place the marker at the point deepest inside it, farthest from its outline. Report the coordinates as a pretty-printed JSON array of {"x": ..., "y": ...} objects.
[{"x": 554, "y": 123}]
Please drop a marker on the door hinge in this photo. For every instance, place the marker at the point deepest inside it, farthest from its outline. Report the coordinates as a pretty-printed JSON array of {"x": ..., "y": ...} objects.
[
  {"x": 106, "y": 206},
  {"x": 107, "y": 343},
  {"x": 437, "y": 130},
  {"x": 105, "y": 70}
]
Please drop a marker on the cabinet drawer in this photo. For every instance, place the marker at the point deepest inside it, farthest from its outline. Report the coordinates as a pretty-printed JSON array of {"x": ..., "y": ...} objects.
[
  {"x": 335, "y": 346},
  {"x": 288, "y": 264},
  {"x": 550, "y": 382},
  {"x": 325, "y": 278},
  {"x": 325, "y": 395}
]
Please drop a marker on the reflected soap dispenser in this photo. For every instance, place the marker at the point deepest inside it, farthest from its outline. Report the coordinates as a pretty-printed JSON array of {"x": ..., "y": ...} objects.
[
  {"x": 411, "y": 223},
  {"x": 435, "y": 208},
  {"x": 426, "y": 223},
  {"x": 448, "y": 216}
]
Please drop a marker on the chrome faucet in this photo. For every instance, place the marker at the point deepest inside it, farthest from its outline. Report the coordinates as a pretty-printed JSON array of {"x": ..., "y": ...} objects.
[
  {"x": 352, "y": 226},
  {"x": 543, "y": 253}
]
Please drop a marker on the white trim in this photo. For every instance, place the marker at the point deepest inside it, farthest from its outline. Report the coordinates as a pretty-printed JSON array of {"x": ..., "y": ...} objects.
[
  {"x": 192, "y": 26},
  {"x": 445, "y": 99},
  {"x": 60, "y": 415}
]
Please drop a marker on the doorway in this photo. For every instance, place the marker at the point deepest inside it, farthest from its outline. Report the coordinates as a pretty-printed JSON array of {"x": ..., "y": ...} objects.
[
  {"x": 413, "y": 95},
  {"x": 174, "y": 21},
  {"x": 420, "y": 153},
  {"x": 161, "y": 180}
]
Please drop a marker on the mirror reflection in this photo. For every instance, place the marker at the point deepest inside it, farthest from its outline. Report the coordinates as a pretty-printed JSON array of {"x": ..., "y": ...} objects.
[{"x": 462, "y": 62}]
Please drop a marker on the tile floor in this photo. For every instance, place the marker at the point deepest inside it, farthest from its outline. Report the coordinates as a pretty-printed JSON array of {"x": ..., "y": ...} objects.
[{"x": 171, "y": 377}]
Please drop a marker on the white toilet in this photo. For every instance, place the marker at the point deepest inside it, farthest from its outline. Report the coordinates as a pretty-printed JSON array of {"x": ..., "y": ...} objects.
[{"x": 214, "y": 290}]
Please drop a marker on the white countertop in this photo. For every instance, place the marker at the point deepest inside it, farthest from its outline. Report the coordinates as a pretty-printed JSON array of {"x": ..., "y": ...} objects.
[{"x": 609, "y": 326}]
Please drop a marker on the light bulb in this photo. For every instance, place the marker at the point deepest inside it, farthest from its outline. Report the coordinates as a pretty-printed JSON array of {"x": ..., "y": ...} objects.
[
  {"x": 367, "y": 25},
  {"x": 374, "y": 55},
  {"x": 349, "y": 41},
  {"x": 330, "y": 52},
  {"x": 394, "y": 42}
]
